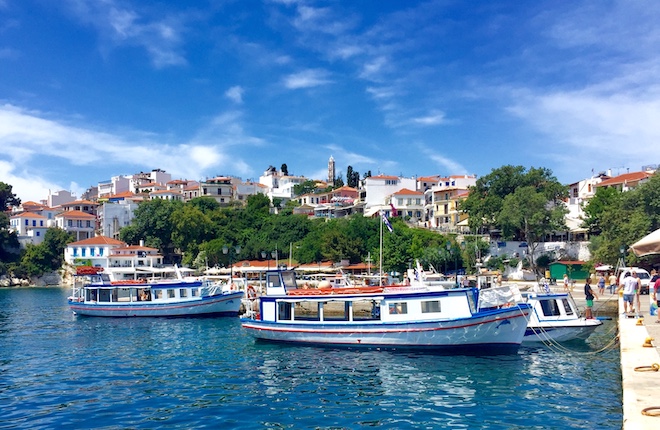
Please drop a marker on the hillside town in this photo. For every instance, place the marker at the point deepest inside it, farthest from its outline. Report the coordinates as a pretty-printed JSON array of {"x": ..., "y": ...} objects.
[{"x": 431, "y": 202}]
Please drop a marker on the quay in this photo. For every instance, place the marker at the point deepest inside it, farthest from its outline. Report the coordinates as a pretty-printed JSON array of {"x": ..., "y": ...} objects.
[{"x": 639, "y": 343}]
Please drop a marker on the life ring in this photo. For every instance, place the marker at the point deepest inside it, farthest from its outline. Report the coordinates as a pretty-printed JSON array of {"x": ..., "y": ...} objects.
[{"x": 251, "y": 292}]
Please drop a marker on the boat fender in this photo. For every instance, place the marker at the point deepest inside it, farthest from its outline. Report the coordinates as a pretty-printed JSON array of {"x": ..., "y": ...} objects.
[{"x": 251, "y": 292}]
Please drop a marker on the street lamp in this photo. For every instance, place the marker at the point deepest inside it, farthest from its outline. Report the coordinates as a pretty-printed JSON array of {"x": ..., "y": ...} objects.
[
  {"x": 267, "y": 255},
  {"x": 227, "y": 251}
]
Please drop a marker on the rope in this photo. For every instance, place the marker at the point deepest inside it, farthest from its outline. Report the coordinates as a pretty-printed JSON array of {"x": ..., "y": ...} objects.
[
  {"x": 650, "y": 411},
  {"x": 652, "y": 368}
]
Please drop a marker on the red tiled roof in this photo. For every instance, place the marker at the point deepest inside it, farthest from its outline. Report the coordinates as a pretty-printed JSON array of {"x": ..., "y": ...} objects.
[
  {"x": 80, "y": 202},
  {"x": 98, "y": 240},
  {"x": 408, "y": 192},
  {"x": 120, "y": 195},
  {"x": 383, "y": 177},
  {"x": 28, "y": 215},
  {"x": 75, "y": 214},
  {"x": 625, "y": 178}
]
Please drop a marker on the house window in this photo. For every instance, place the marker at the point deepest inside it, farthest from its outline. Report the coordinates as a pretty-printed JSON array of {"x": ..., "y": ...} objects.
[
  {"x": 83, "y": 250},
  {"x": 34, "y": 223},
  {"x": 89, "y": 223},
  {"x": 100, "y": 252},
  {"x": 41, "y": 223},
  {"x": 38, "y": 233},
  {"x": 27, "y": 222}
]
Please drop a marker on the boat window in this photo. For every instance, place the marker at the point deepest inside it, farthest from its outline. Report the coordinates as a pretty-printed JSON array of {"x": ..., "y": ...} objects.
[
  {"x": 307, "y": 311},
  {"x": 284, "y": 311},
  {"x": 194, "y": 292},
  {"x": 104, "y": 295},
  {"x": 550, "y": 308},
  {"x": 567, "y": 307},
  {"x": 158, "y": 294},
  {"x": 91, "y": 295},
  {"x": 429, "y": 306},
  {"x": 366, "y": 310},
  {"x": 336, "y": 311},
  {"x": 398, "y": 308},
  {"x": 273, "y": 280},
  {"x": 170, "y": 293},
  {"x": 183, "y": 292},
  {"x": 289, "y": 280}
]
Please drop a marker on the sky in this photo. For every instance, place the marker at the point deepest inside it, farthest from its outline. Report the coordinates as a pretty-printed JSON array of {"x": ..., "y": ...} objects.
[{"x": 91, "y": 89}]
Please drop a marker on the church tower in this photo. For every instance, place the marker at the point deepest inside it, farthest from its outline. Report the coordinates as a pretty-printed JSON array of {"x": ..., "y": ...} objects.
[{"x": 331, "y": 171}]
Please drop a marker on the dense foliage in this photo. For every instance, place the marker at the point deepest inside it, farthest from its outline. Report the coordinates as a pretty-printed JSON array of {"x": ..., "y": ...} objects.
[
  {"x": 9, "y": 247},
  {"x": 622, "y": 218}
]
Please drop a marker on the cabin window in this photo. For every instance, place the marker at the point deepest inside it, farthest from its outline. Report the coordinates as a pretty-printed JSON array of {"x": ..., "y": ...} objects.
[
  {"x": 398, "y": 308},
  {"x": 284, "y": 311},
  {"x": 170, "y": 293},
  {"x": 104, "y": 295},
  {"x": 158, "y": 294},
  {"x": 430, "y": 306},
  {"x": 194, "y": 292},
  {"x": 365, "y": 310},
  {"x": 273, "y": 280},
  {"x": 336, "y": 311},
  {"x": 183, "y": 292},
  {"x": 550, "y": 308},
  {"x": 567, "y": 307},
  {"x": 307, "y": 311}
]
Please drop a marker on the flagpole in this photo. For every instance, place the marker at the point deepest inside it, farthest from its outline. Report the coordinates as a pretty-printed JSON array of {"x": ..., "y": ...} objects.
[{"x": 381, "y": 250}]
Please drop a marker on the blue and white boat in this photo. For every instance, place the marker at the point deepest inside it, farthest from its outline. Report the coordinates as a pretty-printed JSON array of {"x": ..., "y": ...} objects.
[
  {"x": 555, "y": 318},
  {"x": 390, "y": 317},
  {"x": 101, "y": 297}
]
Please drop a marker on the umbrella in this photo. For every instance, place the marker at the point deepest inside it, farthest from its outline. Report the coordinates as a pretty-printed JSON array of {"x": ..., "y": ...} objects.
[{"x": 649, "y": 244}]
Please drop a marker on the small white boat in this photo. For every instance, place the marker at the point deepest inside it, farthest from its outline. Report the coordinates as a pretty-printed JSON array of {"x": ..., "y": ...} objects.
[
  {"x": 101, "y": 297},
  {"x": 389, "y": 317},
  {"x": 555, "y": 318}
]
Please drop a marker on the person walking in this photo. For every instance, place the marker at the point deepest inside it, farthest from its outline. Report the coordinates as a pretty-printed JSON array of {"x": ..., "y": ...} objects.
[
  {"x": 612, "y": 282},
  {"x": 589, "y": 296},
  {"x": 565, "y": 282},
  {"x": 630, "y": 286},
  {"x": 601, "y": 284}
]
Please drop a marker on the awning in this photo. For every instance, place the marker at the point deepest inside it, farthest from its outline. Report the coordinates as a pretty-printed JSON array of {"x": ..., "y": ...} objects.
[{"x": 649, "y": 244}]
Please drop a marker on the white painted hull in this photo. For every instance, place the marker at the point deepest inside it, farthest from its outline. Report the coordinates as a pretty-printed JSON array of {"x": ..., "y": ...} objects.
[
  {"x": 217, "y": 305},
  {"x": 560, "y": 332},
  {"x": 502, "y": 329}
]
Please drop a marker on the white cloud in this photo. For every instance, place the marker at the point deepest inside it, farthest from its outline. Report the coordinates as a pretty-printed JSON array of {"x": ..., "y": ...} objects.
[
  {"x": 119, "y": 25},
  {"x": 28, "y": 136},
  {"x": 235, "y": 94},
  {"x": 434, "y": 118},
  {"x": 307, "y": 79}
]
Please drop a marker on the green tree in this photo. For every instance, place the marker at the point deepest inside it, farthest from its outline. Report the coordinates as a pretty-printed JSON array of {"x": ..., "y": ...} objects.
[
  {"x": 48, "y": 255},
  {"x": 190, "y": 226},
  {"x": 307, "y": 187},
  {"x": 528, "y": 214},
  {"x": 9, "y": 246},
  {"x": 604, "y": 200},
  {"x": 7, "y": 197},
  {"x": 152, "y": 223},
  {"x": 284, "y": 169},
  {"x": 352, "y": 177}
]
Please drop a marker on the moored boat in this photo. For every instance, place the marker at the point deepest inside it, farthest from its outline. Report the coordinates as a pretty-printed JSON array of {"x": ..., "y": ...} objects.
[
  {"x": 99, "y": 296},
  {"x": 555, "y": 318},
  {"x": 388, "y": 317}
]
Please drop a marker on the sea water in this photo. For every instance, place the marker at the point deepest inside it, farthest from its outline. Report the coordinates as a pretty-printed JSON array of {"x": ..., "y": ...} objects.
[{"x": 62, "y": 371}]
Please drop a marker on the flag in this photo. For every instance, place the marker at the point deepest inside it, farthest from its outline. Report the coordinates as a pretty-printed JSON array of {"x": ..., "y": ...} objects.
[
  {"x": 394, "y": 213},
  {"x": 387, "y": 223}
]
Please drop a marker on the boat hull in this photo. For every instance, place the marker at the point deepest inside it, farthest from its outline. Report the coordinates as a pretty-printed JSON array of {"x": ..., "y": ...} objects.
[
  {"x": 581, "y": 330},
  {"x": 500, "y": 330},
  {"x": 218, "y": 305}
]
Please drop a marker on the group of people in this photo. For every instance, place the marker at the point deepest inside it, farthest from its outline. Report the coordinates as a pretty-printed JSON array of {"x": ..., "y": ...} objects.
[{"x": 631, "y": 286}]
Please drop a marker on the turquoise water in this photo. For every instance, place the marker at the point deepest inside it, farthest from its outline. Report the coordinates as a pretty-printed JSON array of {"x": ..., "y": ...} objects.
[{"x": 61, "y": 371}]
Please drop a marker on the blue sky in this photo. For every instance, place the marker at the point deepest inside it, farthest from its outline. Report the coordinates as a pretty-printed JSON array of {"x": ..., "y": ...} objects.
[{"x": 90, "y": 89}]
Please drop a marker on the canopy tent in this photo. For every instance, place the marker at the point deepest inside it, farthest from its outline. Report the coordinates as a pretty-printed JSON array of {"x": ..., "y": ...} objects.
[{"x": 649, "y": 244}]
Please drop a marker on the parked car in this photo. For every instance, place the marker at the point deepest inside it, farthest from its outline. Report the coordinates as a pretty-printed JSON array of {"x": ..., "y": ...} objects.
[{"x": 643, "y": 275}]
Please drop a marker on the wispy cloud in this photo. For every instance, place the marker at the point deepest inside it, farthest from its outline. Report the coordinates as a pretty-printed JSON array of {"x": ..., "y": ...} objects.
[
  {"x": 27, "y": 135},
  {"x": 307, "y": 79},
  {"x": 119, "y": 25},
  {"x": 235, "y": 94},
  {"x": 434, "y": 118}
]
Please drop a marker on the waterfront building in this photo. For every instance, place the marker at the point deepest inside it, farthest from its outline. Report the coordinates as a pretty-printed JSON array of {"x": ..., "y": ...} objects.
[
  {"x": 93, "y": 251},
  {"x": 376, "y": 191},
  {"x": 30, "y": 227},
  {"x": 81, "y": 224},
  {"x": 444, "y": 197},
  {"x": 220, "y": 188},
  {"x": 408, "y": 204}
]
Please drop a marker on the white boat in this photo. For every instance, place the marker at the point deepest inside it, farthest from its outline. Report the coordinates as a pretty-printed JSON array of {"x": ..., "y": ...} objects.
[
  {"x": 388, "y": 317},
  {"x": 555, "y": 318},
  {"x": 101, "y": 297}
]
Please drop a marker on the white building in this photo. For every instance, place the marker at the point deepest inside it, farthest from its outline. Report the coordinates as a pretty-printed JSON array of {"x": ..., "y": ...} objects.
[
  {"x": 376, "y": 192},
  {"x": 280, "y": 186},
  {"x": 59, "y": 198},
  {"x": 116, "y": 185},
  {"x": 408, "y": 204},
  {"x": 113, "y": 216},
  {"x": 29, "y": 227}
]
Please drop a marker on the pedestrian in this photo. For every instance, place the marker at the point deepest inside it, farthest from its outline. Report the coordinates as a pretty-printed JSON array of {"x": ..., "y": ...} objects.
[
  {"x": 565, "y": 282},
  {"x": 630, "y": 286},
  {"x": 601, "y": 284},
  {"x": 656, "y": 297},
  {"x": 589, "y": 296},
  {"x": 612, "y": 281}
]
